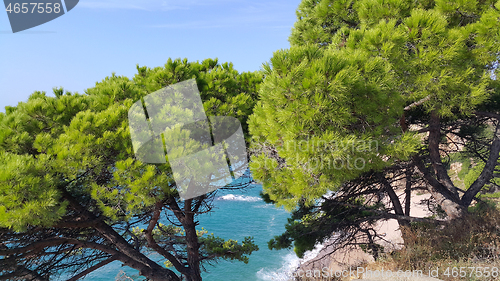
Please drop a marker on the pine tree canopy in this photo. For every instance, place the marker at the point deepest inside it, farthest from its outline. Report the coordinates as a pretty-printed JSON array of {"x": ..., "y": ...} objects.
[
  {"x": 73, "y": 196},
  {"x": 369, "y": 89}
]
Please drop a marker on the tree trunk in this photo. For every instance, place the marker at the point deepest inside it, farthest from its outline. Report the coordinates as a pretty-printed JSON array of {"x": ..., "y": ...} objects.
[
  {"x": 441, "y": 188},
  {"x": 193, "y": 254},
  {"x": 449, "y": 203},
  {"x": 186, "y": 218},
  {"x": 408, "y": 174},
  {"x": 131, "y": 257},
  {"x": 398, "y": 209},
  {"x": 435, "y": 156},
  {"x": 487, "y": 173}
]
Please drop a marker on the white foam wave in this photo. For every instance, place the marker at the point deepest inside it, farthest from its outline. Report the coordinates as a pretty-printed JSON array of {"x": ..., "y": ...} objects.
[
  {"x": 290, "y": 263},
  {"x": 232, "y": 197},
  {"x": 284, "y": 273},
  {"x": 309, "y": 255}
]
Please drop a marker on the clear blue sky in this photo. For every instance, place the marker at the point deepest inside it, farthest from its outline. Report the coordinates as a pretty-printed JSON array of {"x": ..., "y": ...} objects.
[{"x": 99, "y": 37}]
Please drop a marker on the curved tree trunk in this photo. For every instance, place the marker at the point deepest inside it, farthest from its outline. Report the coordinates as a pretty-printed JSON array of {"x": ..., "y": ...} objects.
[
  {"x": 186, "y": 218},
  {"x": 128, "y": 254},
  {"x": 447, "y": 201},
  {"x": 487, "y": 173}
]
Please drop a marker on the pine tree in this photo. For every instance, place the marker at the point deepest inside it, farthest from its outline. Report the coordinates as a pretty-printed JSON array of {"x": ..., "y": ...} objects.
[
  {"x": 73, "y": 197},
  {"x": 364, "y": 99}
]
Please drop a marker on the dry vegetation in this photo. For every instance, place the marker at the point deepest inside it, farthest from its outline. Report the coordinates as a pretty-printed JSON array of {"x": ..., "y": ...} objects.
[{"x": 471, "y": 242}]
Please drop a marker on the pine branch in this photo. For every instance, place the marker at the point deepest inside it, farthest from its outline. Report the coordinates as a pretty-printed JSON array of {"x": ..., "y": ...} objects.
[{"x": 417, "y": 103}]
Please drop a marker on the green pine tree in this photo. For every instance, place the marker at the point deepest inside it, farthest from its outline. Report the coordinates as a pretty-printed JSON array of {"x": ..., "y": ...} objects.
[
  {"x": 363, "y": 100},
  {"x": 73, "y": 198}
]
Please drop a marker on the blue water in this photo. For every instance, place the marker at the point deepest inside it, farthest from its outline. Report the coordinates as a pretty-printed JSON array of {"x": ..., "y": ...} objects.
[{"x": 237, "y": 214}]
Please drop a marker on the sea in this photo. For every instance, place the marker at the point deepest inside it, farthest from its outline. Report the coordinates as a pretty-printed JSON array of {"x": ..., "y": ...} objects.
[{"x": 237, "y": 214}]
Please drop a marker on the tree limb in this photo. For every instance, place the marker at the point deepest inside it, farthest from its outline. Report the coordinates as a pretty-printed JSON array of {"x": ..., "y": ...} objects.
[
  {"x": 435, "y": 156},
  {"x": 417, "y": 103},
  {"x": 386, "y": 215},
  {"x": 488, "y": 114},
  {"x": 487, "y": 173},
  {"x": 153, "y": 245},
  {"x": 92, "y": 269},
  {"x": 440, "y": 193}
]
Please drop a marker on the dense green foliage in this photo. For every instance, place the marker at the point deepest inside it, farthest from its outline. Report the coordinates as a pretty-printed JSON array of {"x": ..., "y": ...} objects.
[
  {"x": 329, "y": 115},
  {"x": 370, "y": 72},
  {"x": 78, "y": 146},
  {"x": 47, "y": 140},
  {"x": 363, "y": 100}
]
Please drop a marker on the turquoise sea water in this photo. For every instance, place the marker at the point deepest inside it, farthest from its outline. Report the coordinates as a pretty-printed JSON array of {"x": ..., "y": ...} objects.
[{"x": 237, "y": 214}]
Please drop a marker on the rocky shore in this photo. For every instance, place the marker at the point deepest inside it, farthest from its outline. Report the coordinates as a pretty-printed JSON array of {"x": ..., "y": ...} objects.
[{"x": 352, "y": 257}]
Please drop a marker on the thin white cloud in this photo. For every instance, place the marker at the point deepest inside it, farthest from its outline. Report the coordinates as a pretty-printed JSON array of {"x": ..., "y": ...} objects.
[
  {"x": 224, "y": 23},
  {"x": 254, "y": 13},
  {"x": 111, "y": 5},
  {"x": 150, "y": 5},
  {"x": 248, "y": 13}
]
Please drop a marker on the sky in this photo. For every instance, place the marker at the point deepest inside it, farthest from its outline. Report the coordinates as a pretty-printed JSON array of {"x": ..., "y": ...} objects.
[{"x": 97, "y": 38}]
